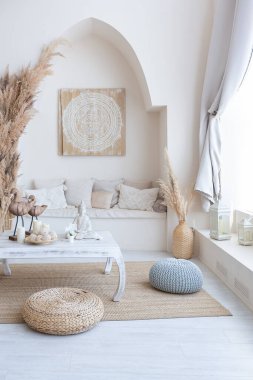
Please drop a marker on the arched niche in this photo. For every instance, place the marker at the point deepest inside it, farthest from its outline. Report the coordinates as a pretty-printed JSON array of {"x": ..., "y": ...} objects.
[
  {"x": 97, "y": 56},
  {"x": 105, "y": 31}
]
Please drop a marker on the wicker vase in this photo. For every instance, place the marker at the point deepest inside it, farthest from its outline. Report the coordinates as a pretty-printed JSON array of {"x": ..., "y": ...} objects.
[{"x": 182, "y": 245}]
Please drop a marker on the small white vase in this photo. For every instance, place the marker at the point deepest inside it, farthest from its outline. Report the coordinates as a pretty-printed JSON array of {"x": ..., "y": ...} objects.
[{"x": 71, "y": 238}]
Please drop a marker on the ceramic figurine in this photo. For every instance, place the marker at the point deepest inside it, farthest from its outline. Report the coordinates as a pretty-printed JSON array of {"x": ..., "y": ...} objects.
[
  {"x": 20, "y": 206},
  {"x": 35, "y": 211},
  {"x": 83, "y": 222}
]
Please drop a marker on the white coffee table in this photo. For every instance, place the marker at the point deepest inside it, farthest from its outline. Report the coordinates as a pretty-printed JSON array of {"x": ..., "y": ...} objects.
[{"x": 105, "y": 248}]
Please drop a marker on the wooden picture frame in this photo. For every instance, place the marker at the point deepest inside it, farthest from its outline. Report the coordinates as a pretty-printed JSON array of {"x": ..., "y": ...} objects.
[{"x": 92, "y": 122}]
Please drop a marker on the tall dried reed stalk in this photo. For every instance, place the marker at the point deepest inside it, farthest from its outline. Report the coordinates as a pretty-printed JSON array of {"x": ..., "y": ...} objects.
[
  {"x": 18, "y": 93},
  {"x": 172, "y": 193}
]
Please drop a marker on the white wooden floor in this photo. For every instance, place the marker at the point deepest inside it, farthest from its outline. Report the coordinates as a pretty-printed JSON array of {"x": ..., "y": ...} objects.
[{"x": 174, "y": 349}]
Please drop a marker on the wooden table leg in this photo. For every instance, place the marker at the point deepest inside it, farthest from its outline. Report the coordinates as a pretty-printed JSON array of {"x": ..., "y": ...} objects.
[
  {"x": 122, "y": 279},
  {"x": 108, "y": 265},
  {"x": 6, "y": 268}
]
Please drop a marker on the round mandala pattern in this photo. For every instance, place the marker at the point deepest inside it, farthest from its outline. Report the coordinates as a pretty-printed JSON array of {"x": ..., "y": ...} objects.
[{"x": 92, "y": 122}]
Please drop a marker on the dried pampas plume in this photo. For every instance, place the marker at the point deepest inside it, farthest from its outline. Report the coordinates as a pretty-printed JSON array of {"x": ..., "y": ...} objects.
[
  {"x": 18, "y": 93},
  {"x": 171, "y": 191}
]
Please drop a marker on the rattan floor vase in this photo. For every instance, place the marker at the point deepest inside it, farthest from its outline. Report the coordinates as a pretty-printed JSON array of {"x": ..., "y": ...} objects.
[
  {"x": 63, "y": 311},
  {"x": 182, "y": 244}
]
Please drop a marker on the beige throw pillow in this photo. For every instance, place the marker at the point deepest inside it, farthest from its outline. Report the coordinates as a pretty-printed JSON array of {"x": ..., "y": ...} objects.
[
  {"x": 101, "y": 199},
  {"x": 135, "y": 199},
  {"x": 109, "y": 186}
]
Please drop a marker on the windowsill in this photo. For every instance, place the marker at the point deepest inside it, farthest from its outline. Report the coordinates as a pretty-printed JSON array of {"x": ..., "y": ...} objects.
[
  {"x": 238, "y": 216},
  {"x": 230, "y": 261},
  {"x": 241, "y": 253},
  {"x": 245, "y": 212}
]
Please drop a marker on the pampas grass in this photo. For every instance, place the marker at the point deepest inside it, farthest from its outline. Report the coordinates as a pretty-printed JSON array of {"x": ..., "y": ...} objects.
[
  {"x": 18, "y": 93},
  {"x": 171, "y": 191}
]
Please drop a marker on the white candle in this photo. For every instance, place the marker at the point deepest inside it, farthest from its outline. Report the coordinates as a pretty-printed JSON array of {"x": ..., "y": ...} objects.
[
  {"x": 44, "y": 229},
  {"x": 36, "y": 227},
  {"x": 20, "y": 234}
]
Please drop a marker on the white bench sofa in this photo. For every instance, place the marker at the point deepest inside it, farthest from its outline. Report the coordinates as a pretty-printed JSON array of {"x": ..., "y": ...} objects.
[{"x": 133, "y": 229}]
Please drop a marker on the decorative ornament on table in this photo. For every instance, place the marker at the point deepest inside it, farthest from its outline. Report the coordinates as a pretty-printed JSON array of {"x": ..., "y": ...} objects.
[
  {"x": 245, "y": 232},
  {"x": 41, "y": 234},
  {"x": 19, "y": 206},
  {"x": 70, "y": 230},
  {"x": 35, "y": 211},
  {"x": 71, "y": 236},
  {"x": 83, "y": 223},
  {"x": 182, "y": 245},
  {"x": 220, "y": 215}
]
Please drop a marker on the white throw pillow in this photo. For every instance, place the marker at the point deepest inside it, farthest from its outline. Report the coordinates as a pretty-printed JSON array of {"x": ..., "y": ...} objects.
[
  {"x": 109, "y": 186},
  {"x": 53, "y": 197},
  {"x": 79, "y": 190},
  {"x": 134, "y": 199}
]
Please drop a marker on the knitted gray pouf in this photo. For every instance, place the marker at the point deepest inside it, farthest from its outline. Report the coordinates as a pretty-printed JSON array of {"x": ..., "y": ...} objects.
[{"x": 176, "y": 276}]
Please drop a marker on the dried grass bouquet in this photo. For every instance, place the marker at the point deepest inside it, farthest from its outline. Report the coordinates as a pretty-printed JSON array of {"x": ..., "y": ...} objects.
[
  {"x": 171, "y": 191},
  {"x": 18, "y": 93}
]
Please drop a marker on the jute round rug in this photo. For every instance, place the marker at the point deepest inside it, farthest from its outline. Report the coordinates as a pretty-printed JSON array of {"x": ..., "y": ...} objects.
[{"x": 140, "y": 300}]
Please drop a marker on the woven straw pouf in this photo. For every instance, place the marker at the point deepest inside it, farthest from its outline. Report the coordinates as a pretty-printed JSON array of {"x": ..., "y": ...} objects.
[
  {"x": 63, "y": 311},
  {"x": 176, "y": 276}
]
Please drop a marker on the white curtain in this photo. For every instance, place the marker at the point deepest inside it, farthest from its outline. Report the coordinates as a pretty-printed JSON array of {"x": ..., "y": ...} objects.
[{"x": 228, "y": 59}]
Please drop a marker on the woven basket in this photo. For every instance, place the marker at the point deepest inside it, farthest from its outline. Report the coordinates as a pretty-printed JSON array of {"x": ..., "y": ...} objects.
[
  {"x": 182, "y": 245},
  {"x": 63, "y": 311}
]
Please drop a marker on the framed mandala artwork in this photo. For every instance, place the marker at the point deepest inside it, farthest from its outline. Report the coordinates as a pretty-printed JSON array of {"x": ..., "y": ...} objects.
[{"x": 92, "y": 122}]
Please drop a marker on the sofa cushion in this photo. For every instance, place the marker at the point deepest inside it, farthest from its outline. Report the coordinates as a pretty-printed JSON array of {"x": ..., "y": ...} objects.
[
  {"x": 79, "y": 190},
  {"x": 53, "y": 197},
  {"x": 96, "y": 213},
  {"x": 109, "y": 186},
  {"x": 101, "y": 199},
  {"x": 135, "y": 199},
  {"x": 159, "y": 205}
]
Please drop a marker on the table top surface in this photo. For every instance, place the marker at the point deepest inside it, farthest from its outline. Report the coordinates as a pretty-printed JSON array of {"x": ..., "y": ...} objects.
[{"x": 105, "y": 247}]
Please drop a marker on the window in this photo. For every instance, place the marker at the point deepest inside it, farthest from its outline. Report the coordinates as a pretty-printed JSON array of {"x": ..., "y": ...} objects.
[{"x": 237, "y": 147}]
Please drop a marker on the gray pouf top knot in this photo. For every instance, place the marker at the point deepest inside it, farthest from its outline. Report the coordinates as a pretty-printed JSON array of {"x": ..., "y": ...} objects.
[{"x": 176, "y": 276}]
